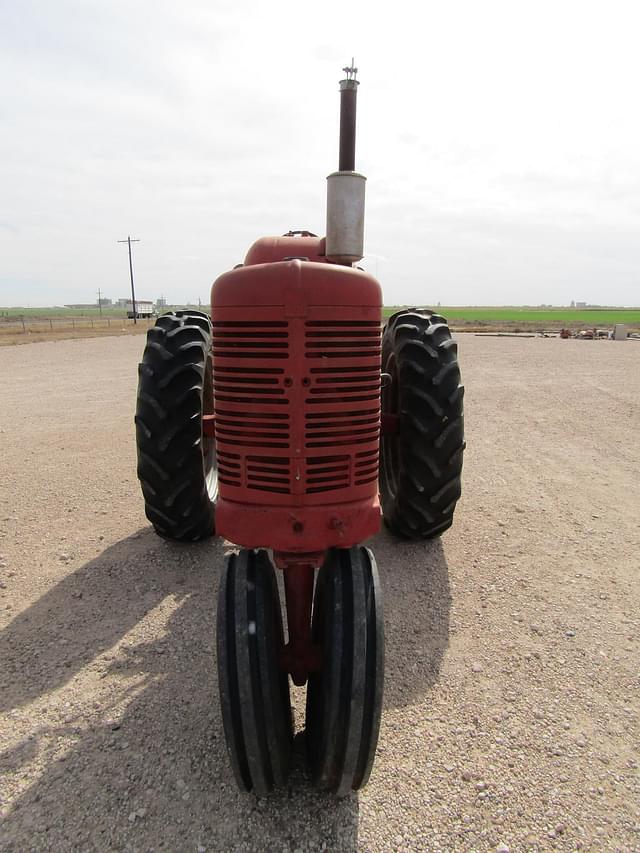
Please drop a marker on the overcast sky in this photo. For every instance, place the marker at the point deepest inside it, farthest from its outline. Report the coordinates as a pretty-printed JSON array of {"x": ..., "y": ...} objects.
[{"x": 501, "y": 142}]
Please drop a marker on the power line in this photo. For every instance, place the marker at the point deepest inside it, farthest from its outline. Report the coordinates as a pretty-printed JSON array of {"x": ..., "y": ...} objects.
[{"x": 129, "y": 241}]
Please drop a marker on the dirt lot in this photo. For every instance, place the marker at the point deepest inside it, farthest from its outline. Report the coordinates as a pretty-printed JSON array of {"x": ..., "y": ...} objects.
[
  {"x": 57, "y": 329},
  {"x": 512, "y": 705}
]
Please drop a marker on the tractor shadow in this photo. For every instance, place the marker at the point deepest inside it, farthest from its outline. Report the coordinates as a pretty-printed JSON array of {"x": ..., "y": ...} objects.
[
  {"x": 417, "y": 605},
  {"x": 125, "y": 739},
  {"x": 88, "y": 612}
]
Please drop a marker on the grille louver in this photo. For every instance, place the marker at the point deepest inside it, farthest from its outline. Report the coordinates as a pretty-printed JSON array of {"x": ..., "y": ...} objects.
[
  {"x": 239, "y": 339},
  {"x": 344, "y": 397}
]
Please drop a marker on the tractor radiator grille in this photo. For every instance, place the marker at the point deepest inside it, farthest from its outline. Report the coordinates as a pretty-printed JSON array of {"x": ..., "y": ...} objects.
[
  {"x": 334, "y": 429},
  {"x": 344, "y": 339},
  {"x": 256, "y": 430},
  {"x": 229, "y": 468},
  {"x": 328, "y": 473},
  {"x": 343, "y": 403},
  {"x": 366, "y": 467},
  {"x": 297, "y": 406},
  {"x": 237, "y": 339},
  {"x": 269, "y": 474}
]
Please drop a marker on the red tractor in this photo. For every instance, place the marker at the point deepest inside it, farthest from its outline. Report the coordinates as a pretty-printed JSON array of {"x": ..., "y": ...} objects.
[{"x": 282, "y": 424}]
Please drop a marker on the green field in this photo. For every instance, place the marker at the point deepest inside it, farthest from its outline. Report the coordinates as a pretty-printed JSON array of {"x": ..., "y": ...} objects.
[{"x": 543, "y": 317}]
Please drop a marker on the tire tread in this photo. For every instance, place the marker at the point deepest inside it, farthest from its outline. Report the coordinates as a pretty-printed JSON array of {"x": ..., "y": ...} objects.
[
  {"x": 430, "y": 442},
  {"x": 168, "y": 422}
]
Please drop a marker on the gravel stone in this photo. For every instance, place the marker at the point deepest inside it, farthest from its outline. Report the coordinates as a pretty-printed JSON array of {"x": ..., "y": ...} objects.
[{"x": 108, "y": 683}]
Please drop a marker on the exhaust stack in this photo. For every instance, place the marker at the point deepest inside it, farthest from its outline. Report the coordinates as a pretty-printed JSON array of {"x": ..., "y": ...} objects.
[{"x": 346, "y": 187}]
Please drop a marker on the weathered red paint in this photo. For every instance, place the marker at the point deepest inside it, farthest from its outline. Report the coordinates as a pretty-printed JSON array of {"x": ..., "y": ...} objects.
[
  {"x": 209, "y": 425},
  {"x": 268, "y": 250},
  {"x": 300, "y": 656},
  {"x": 296, "y": 366}
]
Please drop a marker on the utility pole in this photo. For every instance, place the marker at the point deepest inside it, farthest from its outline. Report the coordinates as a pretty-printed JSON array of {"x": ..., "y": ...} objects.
[
  {"x": 99, "y": 302},
  {"x": 129, "y": 241}
]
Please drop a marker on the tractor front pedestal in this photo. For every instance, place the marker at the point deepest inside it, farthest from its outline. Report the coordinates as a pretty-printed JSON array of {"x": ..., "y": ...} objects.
[
  {"x": 335, "y": 643},
  {"x": 300, "y": 656}
]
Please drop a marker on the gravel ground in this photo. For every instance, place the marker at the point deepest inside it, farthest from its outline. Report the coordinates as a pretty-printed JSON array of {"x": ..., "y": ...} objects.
[{"x": 511, "y": 704}]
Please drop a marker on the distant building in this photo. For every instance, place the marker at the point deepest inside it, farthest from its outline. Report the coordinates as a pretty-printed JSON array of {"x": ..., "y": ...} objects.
[
  {"x": 104, "y": 301},
  {"x": 581, "y": 304},
  {"x": 161, "y": 302}
]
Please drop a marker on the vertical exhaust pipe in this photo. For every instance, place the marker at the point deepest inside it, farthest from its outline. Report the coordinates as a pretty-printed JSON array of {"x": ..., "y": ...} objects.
[
  {"x": 348, "y": 108},
  {"x": 346, "y": 187}
]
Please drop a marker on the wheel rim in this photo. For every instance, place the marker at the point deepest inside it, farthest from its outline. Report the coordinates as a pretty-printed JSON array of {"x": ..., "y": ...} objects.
[
  {"x": 210, "y": 459},
  {"x": 389, "y": 444},
  {"x": 211, "y": 469}
]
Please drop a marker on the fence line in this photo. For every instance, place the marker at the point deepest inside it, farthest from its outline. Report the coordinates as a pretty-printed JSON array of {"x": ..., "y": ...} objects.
[{"x": 35, "y": 325}]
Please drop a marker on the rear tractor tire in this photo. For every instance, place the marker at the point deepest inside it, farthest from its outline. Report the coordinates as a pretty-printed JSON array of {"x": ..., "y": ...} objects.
[
  {"x": 421, "y": 461},
  {"x": 176, "y": 462}
]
